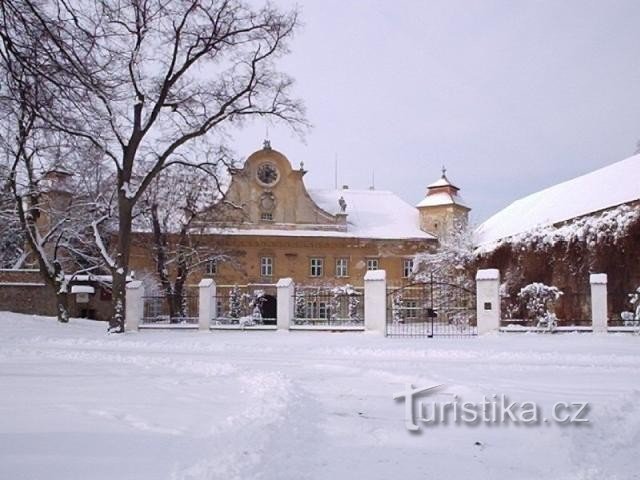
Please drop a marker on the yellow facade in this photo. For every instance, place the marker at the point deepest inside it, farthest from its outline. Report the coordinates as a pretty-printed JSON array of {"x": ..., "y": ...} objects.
[{"x": 278, "y": 228}]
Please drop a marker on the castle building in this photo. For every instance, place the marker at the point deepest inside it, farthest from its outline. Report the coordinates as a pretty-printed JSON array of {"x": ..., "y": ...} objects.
[
  {"x": 277, "y": 228},
  {"x": 314, "y": 236}
]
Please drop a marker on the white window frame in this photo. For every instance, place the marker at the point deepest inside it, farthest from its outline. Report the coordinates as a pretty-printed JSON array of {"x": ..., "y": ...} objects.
[
  {"x": 266, "y": 266},
  {"x": 342, "y": 267},
  {"x": 266, "y": 217},
  {"x": 371, "y": 262},
  {"x": 316, "y": 267},
  {"x": 407, "y": 267},
  {"x": 317, "y": 309}
]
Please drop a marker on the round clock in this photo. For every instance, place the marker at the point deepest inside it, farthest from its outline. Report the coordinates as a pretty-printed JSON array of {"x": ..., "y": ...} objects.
[{"x": 268, "y": 174}]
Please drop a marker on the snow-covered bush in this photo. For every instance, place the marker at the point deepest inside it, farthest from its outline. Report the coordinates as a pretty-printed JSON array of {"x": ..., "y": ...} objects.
[
  {"x": 300, "y": 304},
  {"x": 396, "y": 307},
  {"x": 351, "y": 295},
  {"x": 538, "y": 300},
  {"x": 235, "y": 303},
  {"x": 247, "y": 321},
  {"x": 508, "y": 307},
  {"x": 632, "y": 319},
  {"x": 257, "y": 299}
]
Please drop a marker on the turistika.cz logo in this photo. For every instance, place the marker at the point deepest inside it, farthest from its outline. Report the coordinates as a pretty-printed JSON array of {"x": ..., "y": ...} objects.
[{"x": 493, "y": 409}]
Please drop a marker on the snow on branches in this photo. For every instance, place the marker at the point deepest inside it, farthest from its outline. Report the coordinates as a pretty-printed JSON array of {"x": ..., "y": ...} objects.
[
  {"x": 539, "y": 300},
  {"x": 452, "y": 260},
  {"x": 632, "y": 319},
  {"x": 606, "y": 227}
]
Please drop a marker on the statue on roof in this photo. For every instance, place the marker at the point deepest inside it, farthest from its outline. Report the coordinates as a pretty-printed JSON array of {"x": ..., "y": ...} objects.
[{"x": 343, "y": 204}]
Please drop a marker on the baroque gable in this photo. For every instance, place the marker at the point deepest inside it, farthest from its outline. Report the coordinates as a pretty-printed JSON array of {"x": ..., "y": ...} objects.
[{"x": 267, "y": 192}]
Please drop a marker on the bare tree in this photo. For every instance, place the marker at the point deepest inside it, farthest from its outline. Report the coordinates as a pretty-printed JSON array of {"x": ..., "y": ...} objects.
[
  {"x": 149, "y": 82},
  {"x": 12, "y": 241},
  {"x": 173, "y": 209},
  {"x": 51, "y": 209},
  {"x": 52, "y": 213}
]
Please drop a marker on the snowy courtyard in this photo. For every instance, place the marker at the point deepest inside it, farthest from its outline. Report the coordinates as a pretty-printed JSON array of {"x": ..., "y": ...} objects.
[{"x": 76, "y": 403}]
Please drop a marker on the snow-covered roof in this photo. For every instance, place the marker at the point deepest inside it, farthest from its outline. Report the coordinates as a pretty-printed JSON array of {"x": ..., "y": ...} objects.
[
  {"x": 373, "y": 214},
  {"x": 442, "y": 192},
  {"x": 82, "y": 289},
  {"x": 441, "y": 198},
  {"x": 601, "y": 189},
  {"x": 443, "y": 181},
  {"x": 95, "y": 278}
]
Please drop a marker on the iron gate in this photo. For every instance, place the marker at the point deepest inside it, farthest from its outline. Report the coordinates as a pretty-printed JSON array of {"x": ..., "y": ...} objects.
[{"x": 430, "y": 309}]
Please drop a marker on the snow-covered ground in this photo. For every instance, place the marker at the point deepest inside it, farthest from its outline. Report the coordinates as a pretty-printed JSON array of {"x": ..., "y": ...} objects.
[{"x": 78, "y": 404}]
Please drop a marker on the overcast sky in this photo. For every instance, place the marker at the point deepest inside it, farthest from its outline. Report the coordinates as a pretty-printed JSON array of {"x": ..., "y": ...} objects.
[{"x": 512, "y": 96}]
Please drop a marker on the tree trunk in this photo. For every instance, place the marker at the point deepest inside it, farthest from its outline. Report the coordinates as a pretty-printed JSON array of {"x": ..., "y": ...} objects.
[
  {"x": 119, "y": 273},
  {"x": 174, "y": 303},
  {"x": 62, "y": 304},
  {"x": 181, "y": 278},
  {"x": 118, "y": 296}
]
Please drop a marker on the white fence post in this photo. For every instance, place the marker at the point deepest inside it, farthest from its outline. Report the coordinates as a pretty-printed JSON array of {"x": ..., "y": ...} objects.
[
  {"x": 375, "y": 301},
  {"x": 206, "y": 303},
  {"x": 599, "y": 313},
  {"x": 134, "y": 309},
  {"x": 286, "y": 291},
  {"x": 488, "y": 300}
]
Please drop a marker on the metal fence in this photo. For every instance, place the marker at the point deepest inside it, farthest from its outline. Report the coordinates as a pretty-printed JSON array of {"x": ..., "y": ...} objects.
[
  {"x": 327, "y": 306},
  {"x": 572, "y": 309},
  {"x": 431, "y": 308},
  {"x": 626, "y": 317},
  {"x": 245, "y": 305},
  {"x": 160, "y": 308},
  {"x": 624, "y": 307}
]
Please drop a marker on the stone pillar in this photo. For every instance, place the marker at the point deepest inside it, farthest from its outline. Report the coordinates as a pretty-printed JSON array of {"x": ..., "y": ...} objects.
[
  {"x": 599, "y": 313},
  {"x": 206, "y": 303},
  {"x": 488, "y": 300},
  {"x": 134, "y": 309},
  {"x": 375, "y": 301},
  {"x": 286, "y": 291}
]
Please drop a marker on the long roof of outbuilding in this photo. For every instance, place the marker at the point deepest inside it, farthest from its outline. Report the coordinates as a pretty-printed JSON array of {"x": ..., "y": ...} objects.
[{"x": 607, "y": 187}]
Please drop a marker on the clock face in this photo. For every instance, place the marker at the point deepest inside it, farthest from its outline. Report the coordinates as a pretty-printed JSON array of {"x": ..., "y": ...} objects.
[{"x": 268, "y": 174}]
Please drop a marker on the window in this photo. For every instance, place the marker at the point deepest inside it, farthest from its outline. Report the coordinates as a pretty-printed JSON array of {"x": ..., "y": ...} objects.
[
  {"x": 266, "y": 266},
  {"x": 212, "y": 267},
  {"x": 372, "y": 264},
  {"x": 317, "y": 309},
  {"x": 342, "y": 267},
  {"x": 266, "y": 216},
  {"x": 411, "y": 309},
  {"x": 407, "y": 267},
  {"x": 316, "y": 267}
]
